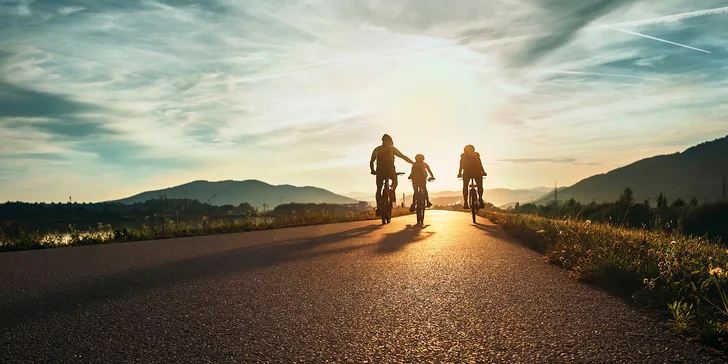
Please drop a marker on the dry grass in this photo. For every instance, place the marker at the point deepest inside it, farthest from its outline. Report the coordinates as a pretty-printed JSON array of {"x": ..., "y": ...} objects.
[
  {"x": 163, "y": 228},
  {"x": 684, "y": 276}
]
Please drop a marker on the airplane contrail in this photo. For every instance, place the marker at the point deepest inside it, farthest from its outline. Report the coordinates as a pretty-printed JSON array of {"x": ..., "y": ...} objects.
[
  {"x": 594, "y": 74},
  {"x": 657, "y": 39},
  {"x": 673, "y": 18}
]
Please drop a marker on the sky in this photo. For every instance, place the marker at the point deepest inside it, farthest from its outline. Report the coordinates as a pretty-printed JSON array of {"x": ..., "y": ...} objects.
[{"x": 102, "y": 99}]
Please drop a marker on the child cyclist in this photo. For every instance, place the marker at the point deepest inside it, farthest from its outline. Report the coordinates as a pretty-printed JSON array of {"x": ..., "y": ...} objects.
[{"x": 419, "y": 178}]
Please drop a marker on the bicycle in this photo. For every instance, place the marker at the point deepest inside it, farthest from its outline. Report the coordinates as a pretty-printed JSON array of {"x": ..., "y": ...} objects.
[
  {"x": 387, "y": 200},
  {"x": 473, "y": 199},
  {"x": 420, "y": 203}
]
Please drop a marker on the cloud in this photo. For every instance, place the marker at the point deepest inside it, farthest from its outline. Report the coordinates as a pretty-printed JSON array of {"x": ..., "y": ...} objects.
[
  {"x": 564, "y": 19},
  {"x": 673, "y": 18},
  {"x": 68, "y": 10},
  {"x": 21, "y": 102},
  {"x": 649, "y": 61},
  {"x": 49, "y": 112},
  {"x": 538, "y": 160}
]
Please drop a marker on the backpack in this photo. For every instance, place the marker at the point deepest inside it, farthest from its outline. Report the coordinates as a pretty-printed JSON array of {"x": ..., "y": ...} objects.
[
  {"x": 471, "y": 162},
  {"x": 385, "y": 155}
]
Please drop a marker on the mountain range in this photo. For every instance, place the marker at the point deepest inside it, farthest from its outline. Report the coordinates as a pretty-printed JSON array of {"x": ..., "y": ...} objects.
[
  {"x": 699, "y": 172},
  {"x": 254, "y": 192}
]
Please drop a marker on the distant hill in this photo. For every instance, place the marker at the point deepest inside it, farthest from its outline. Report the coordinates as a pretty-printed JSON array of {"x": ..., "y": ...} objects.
[
  {"x": 696, "y": 172},
  {"x": 496, "y": 196},
  {"x": 254, "y": 192}
]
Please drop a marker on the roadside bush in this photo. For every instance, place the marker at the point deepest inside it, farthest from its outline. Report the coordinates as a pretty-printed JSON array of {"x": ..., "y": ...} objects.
[
  {"x": 690, "y": 274},
  {"x": 709, "y": 220}
]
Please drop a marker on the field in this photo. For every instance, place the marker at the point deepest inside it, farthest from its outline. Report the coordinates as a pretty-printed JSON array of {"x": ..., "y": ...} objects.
[
  {"x": 683, "y": 278},
  {"x": 164, "y": 227}
]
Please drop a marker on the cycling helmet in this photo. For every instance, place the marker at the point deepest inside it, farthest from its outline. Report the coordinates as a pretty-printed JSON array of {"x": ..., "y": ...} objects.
[
  {"x": 419, "y": 157},
  {"x": 387, "y": 138},
  {"x": 469, "y": 148}
]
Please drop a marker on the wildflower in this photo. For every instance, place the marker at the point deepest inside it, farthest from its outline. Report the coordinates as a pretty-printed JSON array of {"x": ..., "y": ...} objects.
[
  {"x": 541, "y": 232},
  {"x": 588, "y": 222},
  {"x": 673, "y": 242},
  {"x": 717, "y": 271}
]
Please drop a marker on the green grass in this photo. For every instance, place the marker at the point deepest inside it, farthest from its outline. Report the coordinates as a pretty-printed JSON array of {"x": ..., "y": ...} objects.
[
  {"x": 685, "y": 277},
  {"x": 165, "y": 228}
]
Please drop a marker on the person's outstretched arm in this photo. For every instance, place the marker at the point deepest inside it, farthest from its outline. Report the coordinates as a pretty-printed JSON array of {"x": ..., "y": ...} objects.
[
  {"x": 460, "y": 170},
  {"x": 429, "y": 170},
  {"x": 399, "y": 154},
  {"x": 371, "y": 161}
]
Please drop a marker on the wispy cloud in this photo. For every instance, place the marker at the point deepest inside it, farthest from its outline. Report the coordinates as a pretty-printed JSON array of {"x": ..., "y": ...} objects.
[
  {"x": 649, "y": 61},
  {"x": 68, "y": 10},
  {"x": 673, "y": 18},
  {"x": 538, "y": 160}
]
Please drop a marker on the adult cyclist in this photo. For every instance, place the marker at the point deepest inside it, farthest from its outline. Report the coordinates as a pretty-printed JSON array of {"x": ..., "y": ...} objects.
[
  {"x": 471, "y": 167},
  {"x": 384, "y": 156}
]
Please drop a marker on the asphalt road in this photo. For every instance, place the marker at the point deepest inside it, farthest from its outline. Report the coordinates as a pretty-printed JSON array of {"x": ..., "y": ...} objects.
[{"x": 450, "y": 291}]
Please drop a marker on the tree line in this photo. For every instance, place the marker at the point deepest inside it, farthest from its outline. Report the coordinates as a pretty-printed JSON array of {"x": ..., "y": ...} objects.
[
  {"x": 109, "y": 210},
  {"x": 58, "y": 216},
  {"x": 687, "y": 217}
]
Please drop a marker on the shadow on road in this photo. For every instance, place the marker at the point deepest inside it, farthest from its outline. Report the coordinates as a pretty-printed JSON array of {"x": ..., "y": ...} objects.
[
  {"x": 396, "y": 241},
  {"x": 139, "y": 281},
  {"x": 490, "y": 229}
]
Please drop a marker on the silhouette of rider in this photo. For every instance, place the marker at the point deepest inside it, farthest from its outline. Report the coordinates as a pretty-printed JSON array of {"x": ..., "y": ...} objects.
[
  {"x": 418, "y": 175},
  {"x": 471, "y": 167},
  {"x": 384, "y": 156}
]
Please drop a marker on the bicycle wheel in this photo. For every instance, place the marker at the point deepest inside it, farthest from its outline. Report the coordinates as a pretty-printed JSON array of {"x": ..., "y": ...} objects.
[
  {"x": 386, "y": 205},
  {"x": 389, "y": 212},
  {"x": 473, "y": 204}
]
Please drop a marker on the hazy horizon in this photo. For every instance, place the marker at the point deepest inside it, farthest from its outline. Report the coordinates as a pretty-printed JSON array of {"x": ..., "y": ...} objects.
[{"x": 102, "y": 101}]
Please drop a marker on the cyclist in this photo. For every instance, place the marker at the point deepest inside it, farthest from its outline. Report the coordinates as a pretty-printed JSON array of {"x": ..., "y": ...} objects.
[
  {"x": 418, "y": 175},
  {"x": 471, "y": 167},
  {"x": 384, "y": 156}
]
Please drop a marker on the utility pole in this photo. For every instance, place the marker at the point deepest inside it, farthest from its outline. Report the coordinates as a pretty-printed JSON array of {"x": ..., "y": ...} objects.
[{"x": 209, "y": 204}]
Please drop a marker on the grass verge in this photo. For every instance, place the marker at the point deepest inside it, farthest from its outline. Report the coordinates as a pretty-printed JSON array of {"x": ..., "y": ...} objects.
[
  {"x": 683, "y": 277},
  {"x": 165, "y": 228}
]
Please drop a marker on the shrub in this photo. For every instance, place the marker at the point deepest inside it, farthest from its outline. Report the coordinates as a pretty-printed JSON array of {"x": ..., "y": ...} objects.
[{"x": 661, "y": 268}]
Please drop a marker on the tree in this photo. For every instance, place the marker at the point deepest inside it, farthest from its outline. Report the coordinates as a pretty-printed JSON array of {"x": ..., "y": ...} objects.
[
  {"x": 661, "y": 202},
  {"x": 694, "y": 202},
  {"x": 678, "y": 204},
  {"x": 626, "y": 199},
  {"x": 518, "y": 204}
]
